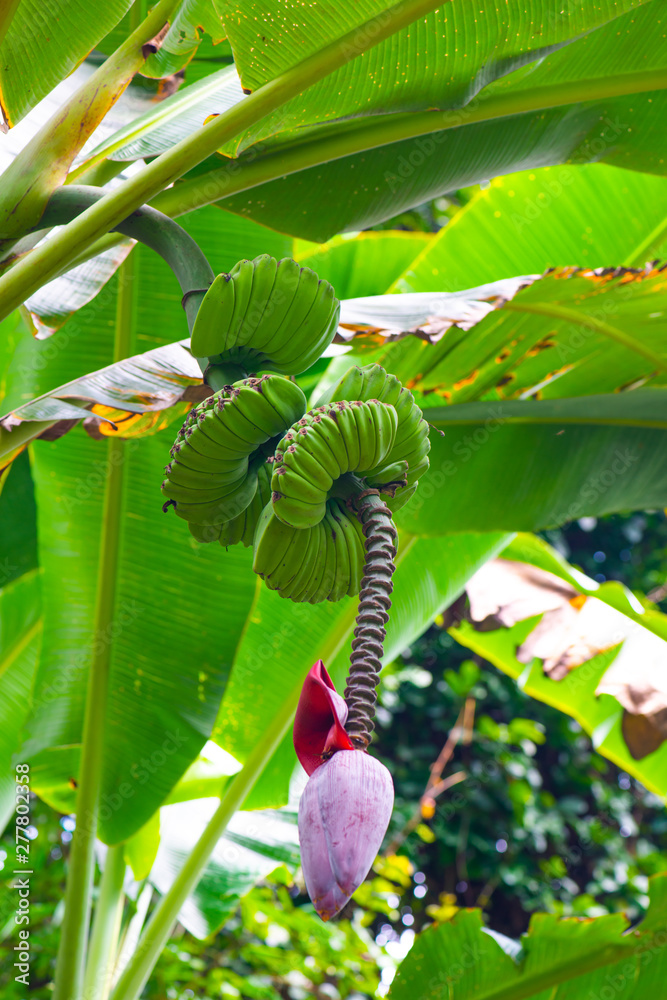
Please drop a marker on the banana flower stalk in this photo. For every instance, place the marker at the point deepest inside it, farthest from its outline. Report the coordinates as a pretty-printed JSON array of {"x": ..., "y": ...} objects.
[{"x": 347, "y": 803}]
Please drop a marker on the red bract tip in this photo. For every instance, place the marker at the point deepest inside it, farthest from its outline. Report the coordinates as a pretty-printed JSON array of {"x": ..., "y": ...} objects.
[{"x": 319, "y": 723}]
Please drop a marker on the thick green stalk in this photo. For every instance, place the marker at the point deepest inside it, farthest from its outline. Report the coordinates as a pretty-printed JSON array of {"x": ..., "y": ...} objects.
[
  {"x": 106, "y": 926},
  {"x": 45, "y": 261},
  {"x": 157, "y": 932},
  {"x": 155, "y": 230},
  {"x": 74, "y": 933},
  {"x": 42, "y": 165},
  {"x": 347, "y": 140}
]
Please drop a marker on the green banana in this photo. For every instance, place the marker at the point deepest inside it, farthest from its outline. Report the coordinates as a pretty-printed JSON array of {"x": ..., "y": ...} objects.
[
  {"x": 241, "y": 275},
  {"x": 285, "y": 397},
  {"x": 327, "y": 584},
  {"x": 271, "y": 544},
  {"x": 353, "y": 536},
  {"x": 342, "y": 577},
  {"x": 388, "y": 474},
  {"x": 242, "y": 527},
  {"x": 213, "y": 319},
  {"x": 301, "y": 461},
  {"x": 314, "y": 571},
  {"x": 327, "y": 427},
  {"x": 217, "y": 511},
  {"x": 366, "y": 432},
  {"x": 218, "y": 450},
  {"x": 266, "y": 315},
  {"x": 347, "y": 427},
  {"x": 299, "y": 289},
  {"x": 265, "y": 270}
]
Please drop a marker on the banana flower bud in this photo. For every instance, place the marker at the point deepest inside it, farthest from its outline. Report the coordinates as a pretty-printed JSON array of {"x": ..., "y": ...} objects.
[{"x": 345, "y": 807}]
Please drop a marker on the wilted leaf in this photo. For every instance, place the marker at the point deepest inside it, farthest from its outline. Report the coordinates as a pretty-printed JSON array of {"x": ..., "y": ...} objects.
[{"x": 575, "y": 628}]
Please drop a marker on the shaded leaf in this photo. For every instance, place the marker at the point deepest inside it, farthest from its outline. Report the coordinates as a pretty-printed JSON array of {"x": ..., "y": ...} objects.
[{"x": 18, "y": 522}]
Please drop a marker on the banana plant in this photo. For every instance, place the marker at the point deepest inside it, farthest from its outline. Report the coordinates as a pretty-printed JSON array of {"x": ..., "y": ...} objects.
[{"x": 327, "y": 123}]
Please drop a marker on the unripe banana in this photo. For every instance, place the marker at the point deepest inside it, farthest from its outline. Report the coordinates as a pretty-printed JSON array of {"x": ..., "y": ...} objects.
[
  {"x": 212, "y": 477},
  {"x": 411, "y": 442},
  {"x": 266, "y": 315},
  {"x": 299, "y": 497},
  {"x": 242, "y": 527},
  {"x": 322, "y": 563}
]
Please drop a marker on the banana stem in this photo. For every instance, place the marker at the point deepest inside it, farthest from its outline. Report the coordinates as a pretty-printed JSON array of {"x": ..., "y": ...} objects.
[
  {"x": 106, "y": 927},
  {"x": 218, "y": 376},
  {"x": 147, "y": 225},
  {"x": 372, "y": 616}
]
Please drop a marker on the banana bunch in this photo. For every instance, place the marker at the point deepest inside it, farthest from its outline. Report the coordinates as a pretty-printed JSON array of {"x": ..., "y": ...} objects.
[
  {"x": 324, "y": 445},
  {"x": 321, "y": 563},
  {"x": 215, "y": 461},
  {"x": 411, "y": 445},
  {"x": 266, "y": 315},
  {"x": 242, "y": 527}
]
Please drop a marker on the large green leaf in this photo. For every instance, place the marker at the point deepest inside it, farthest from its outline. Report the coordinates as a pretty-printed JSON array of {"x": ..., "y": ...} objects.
[
  {"x": 455, "y": 73},
  {"x": 18, "y": 522},
  {"x": 523, "y": 466},
  {"x": 20, "y": 635},
  {"x": 570, "y": 333},
  {"x": 172, "y": 638},
  {"x": 282, "y": 641},
  {"x": 45, "y": 40},
  {"x": 502, "y": 229},
  {"x": 366, "y": 265},
  {"x": 634, "y": 644},
  {"x": 558, "y": 958},
  {"x": 569, "y": 107},
  {"x": 442, "y": 61}
]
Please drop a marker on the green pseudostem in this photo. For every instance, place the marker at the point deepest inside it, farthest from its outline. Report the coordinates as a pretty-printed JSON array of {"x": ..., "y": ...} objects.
[{"x": 148, "y": 226}]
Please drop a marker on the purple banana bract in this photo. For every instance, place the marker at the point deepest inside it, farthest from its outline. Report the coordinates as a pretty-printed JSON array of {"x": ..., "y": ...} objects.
[{"x": 345, "y": 807}]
